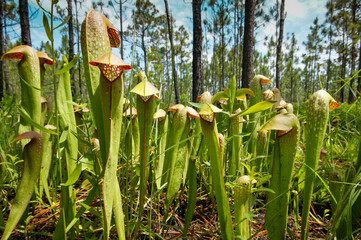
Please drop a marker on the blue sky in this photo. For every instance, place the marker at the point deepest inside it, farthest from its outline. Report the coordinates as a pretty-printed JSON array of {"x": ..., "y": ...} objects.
[{"x": 299, "y": 17}]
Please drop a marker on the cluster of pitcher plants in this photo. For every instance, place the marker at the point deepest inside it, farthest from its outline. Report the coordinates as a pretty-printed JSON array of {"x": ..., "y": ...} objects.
[{"x": 135, "y": 155}]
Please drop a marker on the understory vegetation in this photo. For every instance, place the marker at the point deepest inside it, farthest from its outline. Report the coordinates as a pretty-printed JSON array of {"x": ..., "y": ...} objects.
[{"x": 125, "y": 163}]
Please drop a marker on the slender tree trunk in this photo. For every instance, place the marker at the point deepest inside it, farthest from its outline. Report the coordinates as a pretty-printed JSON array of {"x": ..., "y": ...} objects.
[
  {"x": 169, "y": 86},
  {"x": 359, "y": 67},
  {"x": 328, "y": 72},
  {"x": 8, "y": 89},
  {"x": 70, "y": 30},
  {"x": 353, "y": 51},
  {"x": 197, "y": 49},
  {"x": 306, "y": 78},
  {"x": 291, "y": 79},
  {"x": 247, "y": 65},
  {"x": 279, "y": 45},
  {"x": 145, "y": 54},
  {"x": 170, "y": 32},
  {"x": 240, "y": 56},
  {"x": 71, "y": 45},
  {"x": 24, "y": 22},
  {"x": 222, "y": 47},
  {"x": 343, "y": 65},
  {"x": 78, "y": 49},
  {"x": 235, "y": 18},
  {"x": 121, "y": 28},
  {"x": 213, "y": 73},
  {"x": 1, "y": 50}
]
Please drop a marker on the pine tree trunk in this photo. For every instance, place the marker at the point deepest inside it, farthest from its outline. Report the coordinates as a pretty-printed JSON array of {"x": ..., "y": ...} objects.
[
  {"x": 78, "y": 49},
  {"x": 279, "y": 45},
  {"x": 328, "y": 72},
  {"x": 247, "y": 65},
  {"x": 121, "y": 28},
  {"x": 1, "y": 50},
  {"x": 144, "y": 53},
  {"x": 8, "y": 89},
  {"x": 343, "y": 65},
  {"x": 174, "y": 72},
  {"x": 353, "y": 52},
  {"x": 71, "y": 45},
  {"x": 359, "y": 67},
  {"x": 24, "y": 22},
  {"x": 197, "y": 49},
  {"x": 240, "y": 56},
  {"x": 222, "y": 47}
]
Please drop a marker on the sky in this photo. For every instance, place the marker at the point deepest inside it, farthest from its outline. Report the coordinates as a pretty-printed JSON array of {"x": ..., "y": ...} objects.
[{"x": 299, "y": 17}]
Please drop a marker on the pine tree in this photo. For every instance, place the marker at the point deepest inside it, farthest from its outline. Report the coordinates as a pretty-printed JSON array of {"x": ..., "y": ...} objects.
[
  {"x": 24, "y": 22},
  {"x": 197, "y": 49},
  {"x": 247, "y": 65},
  {"x": 170, "y": 32},
  {"x": 279, "y": 44}
]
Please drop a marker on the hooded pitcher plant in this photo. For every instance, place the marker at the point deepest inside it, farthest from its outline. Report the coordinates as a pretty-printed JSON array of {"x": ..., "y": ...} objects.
[
  {"x": 43, "y": 59},
  {"x": 288, "y": 130},
  {"x": 111, "y": 99},
  {"x": 235, "y": 125},
  {"x": 32, "y": 163},
  {"x": 318, "y": 108},
  {"x": 242, "y": 205},
  {"x": 192, "y": 175},
  {"x": 254, "y": 119},
  {"x": 176, "y": 156},
  {"x": 163, "y": 126},
  {"x": 146, "y": 96},
  {"x": 97, "y": 37},
  {"x": 29, "y": 73},
  {"x": 131, "y": 148},
  {"x": 210, "y": 132}
]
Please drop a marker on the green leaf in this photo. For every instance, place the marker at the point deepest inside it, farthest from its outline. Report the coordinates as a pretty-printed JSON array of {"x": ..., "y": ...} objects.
[
  {"x": 32, "y": 164},
  {"x": 74, "y": 176},
  {"x": 262, "y": 189},
  {"x": 209, "y": 109},
  {"x": 26, "y": 116},
  {"x": 32, "y": 86},
  {"x": 238, "y": 135},
  {"x": 61, "y": 24},
  {"x": 243, "y": 91},
  {"x": 47, "y": 28},
  {"x": 283, "y": 122},
  {"x": 258, "y": 107},
  {"x": 41, "y": 7},
  {"x": 197, "y": 105},
  {"x": 145, "y": 88},
  {"x": 220, "y": 95},
  {"x": 68, "y": 66}
]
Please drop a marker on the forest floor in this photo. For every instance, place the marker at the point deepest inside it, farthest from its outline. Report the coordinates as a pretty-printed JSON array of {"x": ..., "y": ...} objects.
[{"x": 203, "y": 226}]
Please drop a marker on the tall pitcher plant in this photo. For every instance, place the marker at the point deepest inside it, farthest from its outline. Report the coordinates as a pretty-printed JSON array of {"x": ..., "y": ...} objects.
[
  {"x": 29, "y": 73},
  {"x": 32, "y": 164},
  {"x": 254, "y": 119},
  {"x": 317, "y": 114},
  {"x": 285, "y": 147},
  {"x": 97, "y": 37},
  {"x": 146, "y": 96},
  {"x": 111, "y": 98},
  {"x": 106, "y": 90},
  {"x": 210, "y": 132}
]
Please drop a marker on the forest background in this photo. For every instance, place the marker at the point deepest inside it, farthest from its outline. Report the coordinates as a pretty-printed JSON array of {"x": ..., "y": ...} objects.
[{"x": 302, "y": 46}]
